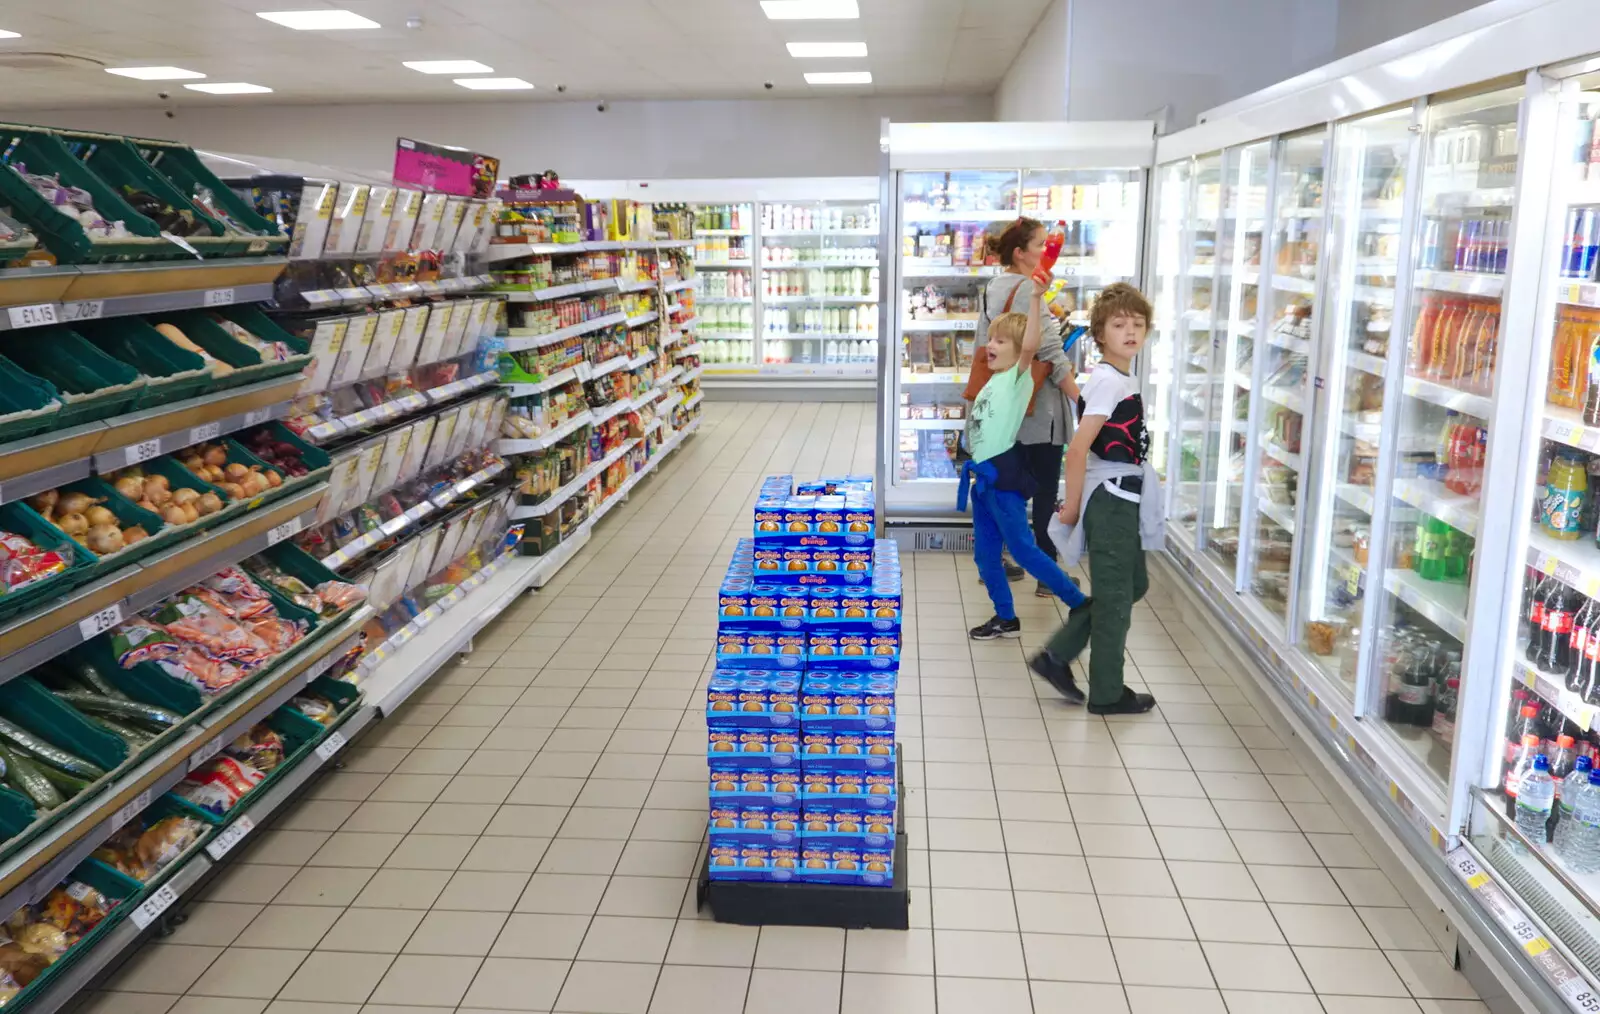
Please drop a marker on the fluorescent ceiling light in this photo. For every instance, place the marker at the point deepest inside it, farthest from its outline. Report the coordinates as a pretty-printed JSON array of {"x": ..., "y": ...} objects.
[
  {"x": 155, "y": 73},
  {"x": 318, "y": 21},
  {"x": 229, "y": 88},
  {"x": 9, "y": 35},
  {"x": 839, "y": 77},
  {"x": 493, "y": 84},
  {"x": 805, "y": 50},
  {"x": 810, "y": 10},
  {"x": 449, "y": 66}
]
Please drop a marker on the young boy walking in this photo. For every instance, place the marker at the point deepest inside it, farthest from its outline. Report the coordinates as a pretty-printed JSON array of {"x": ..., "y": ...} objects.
[
  {"x": 1112, "y": 505},
  {"x": 998, "y": 476}
]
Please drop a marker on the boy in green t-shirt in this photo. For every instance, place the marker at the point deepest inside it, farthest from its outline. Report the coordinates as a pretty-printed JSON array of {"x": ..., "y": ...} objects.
[{"x": 999, "y": 479}]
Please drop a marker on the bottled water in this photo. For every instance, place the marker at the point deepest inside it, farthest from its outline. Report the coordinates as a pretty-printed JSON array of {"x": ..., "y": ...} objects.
[
  {"x": 1581, "y": 843},
  {"x": 1567, "y": 793},
  {"x": 1535, "y": 796}
]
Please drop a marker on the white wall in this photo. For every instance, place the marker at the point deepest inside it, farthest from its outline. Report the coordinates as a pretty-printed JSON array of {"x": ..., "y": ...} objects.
[
  {"x": 1035, "y": 88},
  {"x": 1365, "y": 23},
  {"x": 779, "y": 137}
]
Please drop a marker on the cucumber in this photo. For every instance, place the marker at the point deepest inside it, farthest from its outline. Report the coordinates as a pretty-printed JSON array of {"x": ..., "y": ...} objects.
[
  {"x": 35, "y": 746},
  {"x": 68, "y": 785},
  {"x": 130, "y": 734},
  {"x": 121, "y": 708},
  {"x": 29, "y": 780},
  {"x": 90, "y": 677}
]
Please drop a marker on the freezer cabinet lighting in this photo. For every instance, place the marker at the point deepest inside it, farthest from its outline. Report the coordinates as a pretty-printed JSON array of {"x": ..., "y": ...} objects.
[
  {"x": 449, "y": 66},
  {"x": 810, "y": 10},
  {"x": 155, "y": 73},
  {"x": 839, "y": 77},
  {"x": 318, "y": 21},
  {"x": 494, "y": 84},
  {"x": 820, "y": 50},
  {"x": 229, "y": 88},
  {"x": 9, "y": 35}
]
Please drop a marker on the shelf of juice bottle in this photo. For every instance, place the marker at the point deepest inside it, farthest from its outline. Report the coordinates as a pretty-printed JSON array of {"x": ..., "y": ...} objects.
[
  {"x": 1466, "y": 283},
  {"x": 830, "y": 298},
  {"x": 1457, "y": 510},
  {"x": 1566, "y": 426},
  {"x": 1573, "y": 562},
  {"x": 1447, "y": 396},
  {"x": 819, "y": 265},
  {"x": 1554, "y": 691}
]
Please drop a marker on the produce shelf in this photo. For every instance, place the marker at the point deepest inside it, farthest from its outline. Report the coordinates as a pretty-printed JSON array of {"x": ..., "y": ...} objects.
[
  {"x": 47, "y": 460},
  {"x": 400, "y": 407},
  {"x": 36, "y": 297},
  {"x": 60, "y": 624},
  {"x": 336, "y": 560}
]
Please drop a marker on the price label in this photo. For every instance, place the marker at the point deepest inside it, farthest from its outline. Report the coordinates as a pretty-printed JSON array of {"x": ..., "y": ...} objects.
[
  {"x": 391, "y": 527},
  {"x": 205, "y": 753},
  {"x": 88, "y": 309},
  {"x": 230, "y": 836},
  {"x": 130, "y": 810},
  {"x": 219, "y": 297},
  {"x": 98, "y": 623},
  {"x": 257, "y": 417},
  {"x": 1581, "y": 995},
  {"x": 144, "y": 450},
  {"x": 35, "y": 315},
  {"x": 425, "y": 617},
  {"x": 210, "y": 431},
  {"x": 331, "y": 745},
  {"x": 151, "y": 908},
  {"x": 283, "y": 531},
  {"x": 257, "y": 246}
]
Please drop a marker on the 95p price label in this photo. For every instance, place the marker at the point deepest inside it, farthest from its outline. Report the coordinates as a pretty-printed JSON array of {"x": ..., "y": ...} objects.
[
  {"x": 151, "y": 908},
  {"x": 144, "y": 450}
]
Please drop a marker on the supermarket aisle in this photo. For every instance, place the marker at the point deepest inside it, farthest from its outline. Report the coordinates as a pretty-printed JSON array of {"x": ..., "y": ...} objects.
[{"x": 524, "y": 835}]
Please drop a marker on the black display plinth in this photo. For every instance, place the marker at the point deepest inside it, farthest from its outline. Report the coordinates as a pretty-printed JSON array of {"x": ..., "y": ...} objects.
[{"x": 765, "y": 903}]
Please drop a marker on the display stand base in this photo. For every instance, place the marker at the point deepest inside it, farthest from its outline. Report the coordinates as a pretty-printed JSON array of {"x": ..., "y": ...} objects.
[{"x": 763, "y": 903}]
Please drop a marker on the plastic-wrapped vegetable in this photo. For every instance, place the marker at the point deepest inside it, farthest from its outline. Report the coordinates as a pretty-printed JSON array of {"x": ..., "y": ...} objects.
[
  {"x": 206, "y": 674},
  {"x": 232, "y": 593},
  {"x": 261, "y": 748},
  {"x": 142, "y": 854},
  {"x": 219, "y": 786},
  {"x": 138, "y": 640},
  {"x": 318, "y": 709},
  {"x": 296, "y": 590},
  {"x": 277, "y": 633},
  {"x": 340, "y": 595},
  {"x": 192, "y": 620},
  {"x": 22, "y": 562}
]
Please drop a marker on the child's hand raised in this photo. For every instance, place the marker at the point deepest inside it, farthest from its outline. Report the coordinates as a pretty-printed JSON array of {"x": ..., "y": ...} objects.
[{"x": 1042, "y": 280}]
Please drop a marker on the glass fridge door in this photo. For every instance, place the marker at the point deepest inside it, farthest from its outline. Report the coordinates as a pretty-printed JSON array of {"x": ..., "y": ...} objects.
[
  {"x": 819, "y": 288},
  {"x": 724, "y": 241},
  {"x": 1363, "y": 251},
  {"x": 1284, "y": 371},
  {"x": 944, "y": 260},
  {"x": 1167, "y": 331},
  {"x": 1460, "y": 253},
  {"x": 1196, "y": 380},
  {"x": 1238, "y": 278}
]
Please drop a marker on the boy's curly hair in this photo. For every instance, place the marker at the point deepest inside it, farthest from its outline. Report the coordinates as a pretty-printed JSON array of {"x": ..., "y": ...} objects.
[{"x": 1118, "y": 300}]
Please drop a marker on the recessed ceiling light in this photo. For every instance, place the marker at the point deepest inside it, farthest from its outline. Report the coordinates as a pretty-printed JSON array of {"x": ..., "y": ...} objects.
[
  {"x": 494, "y": 84},
  {"x": 825, "y": 49},
  {"x": 318, "y": 21},
  {"x": 449, "y": 66},
  {"x": 839, "y": 77},
  {"x": 155, "y": 73},
  {"x": 810, "y": 10},
  {"x": 229, "y": 88},
  {"x": 9, "y": 35}
]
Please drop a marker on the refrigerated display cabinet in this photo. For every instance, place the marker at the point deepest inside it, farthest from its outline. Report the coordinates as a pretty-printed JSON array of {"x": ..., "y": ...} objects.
[
  {"x": 1378, "y": 333},
  {"x": 950, "y": 190}
]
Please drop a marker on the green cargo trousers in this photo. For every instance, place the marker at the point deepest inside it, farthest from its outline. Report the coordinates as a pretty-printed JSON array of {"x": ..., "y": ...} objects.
[{"x": 1117, "y": 579}]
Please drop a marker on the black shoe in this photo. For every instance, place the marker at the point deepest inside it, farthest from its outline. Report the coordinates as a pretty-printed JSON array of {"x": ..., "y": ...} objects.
[
  {"x": 996, "y": 627},
  {"x": 1130, "y": 703},
  {"x": 1058, "y": 675},
  {"x": 1013, "y": 572}
]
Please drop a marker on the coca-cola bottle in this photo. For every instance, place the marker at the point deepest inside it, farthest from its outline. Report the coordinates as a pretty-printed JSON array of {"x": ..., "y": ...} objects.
[
  {"x": 1587, "y": 683},
  {"x": 1583, "y": 629},
  {"x": 1536, "y": 619},
  {"x": 1559, "y": 606}
]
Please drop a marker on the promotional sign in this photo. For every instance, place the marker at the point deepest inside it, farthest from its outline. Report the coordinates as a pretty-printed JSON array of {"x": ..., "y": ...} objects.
[{"x": 444, "y": 169}]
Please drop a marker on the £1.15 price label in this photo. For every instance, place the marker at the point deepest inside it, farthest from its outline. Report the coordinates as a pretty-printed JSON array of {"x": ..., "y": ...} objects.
[
  {"x": 209, "y": 431},
  {"x": 36, "y": 315},
  {"x": 219, "y": 297},
  {"x": 230, "y": 836},
  {"x": 130, "y": 810},
  {"x": 151, "y": 908},
  {"x": 331, "y": 745}
]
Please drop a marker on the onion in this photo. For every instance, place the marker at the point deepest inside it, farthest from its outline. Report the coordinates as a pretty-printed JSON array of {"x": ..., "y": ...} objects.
[
  {"x": 216, "y": 456},
  {"x": 134, "y": 534},
  {"x": 156, "y": 492},
  {"x": 99, "y": 516},
  {"x": 193, "y": 462},
  {"x": 174, "y": 516},
  {"x": 146, "y": 505},
  {"x": 45, "y": 502},
  {"x": 130, "y": 486},
  {"x": 104, "y": 539},
  {"x": 233, "y": 489},
  {"x": 236, "y": 472},
  {"x": 209, "y": 503},
  {"x": 159, "y": 480},
  {"x": 75, "y": 503},
  {"x": 190, "y": 512},
  {"x": 215, "y": 474},
  {"x": 184, "y": 496},
  {"x": 73, "y": 524},
  {"x": 273, "y": 479}
]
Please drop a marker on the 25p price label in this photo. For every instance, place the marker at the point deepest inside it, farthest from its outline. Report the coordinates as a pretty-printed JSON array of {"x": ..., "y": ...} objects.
[{"x": 98, "y": 623}]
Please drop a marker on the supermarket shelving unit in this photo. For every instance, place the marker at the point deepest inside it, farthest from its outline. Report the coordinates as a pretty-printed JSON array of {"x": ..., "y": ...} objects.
[{"x": 1373, "y": 289}]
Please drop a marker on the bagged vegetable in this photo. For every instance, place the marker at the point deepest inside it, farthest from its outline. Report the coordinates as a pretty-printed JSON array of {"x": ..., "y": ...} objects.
[
  {"x": 22, "y": 562},
  {"x": 219, "y": 786},
  {"x": 191, "y": 619},
  {"x": 261, "y": 748},
  {"x": 318, "y": 709},
  {"x": 139, "y": 640},
  {"x": 296, "y": 590},
  {"x": 339, "y": 595}
]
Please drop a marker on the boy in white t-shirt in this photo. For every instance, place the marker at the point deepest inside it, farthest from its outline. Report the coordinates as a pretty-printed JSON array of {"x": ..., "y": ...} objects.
[{"x": 1113, "y": 503}]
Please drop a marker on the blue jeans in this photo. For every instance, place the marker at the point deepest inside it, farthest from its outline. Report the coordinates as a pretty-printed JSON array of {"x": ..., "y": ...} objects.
[{"x": 1000, "y": 519}]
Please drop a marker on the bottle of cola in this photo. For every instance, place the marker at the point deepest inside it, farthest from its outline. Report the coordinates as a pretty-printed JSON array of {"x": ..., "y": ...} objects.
[
  {"x": 1554, "y": 652},
  {"x": 1583, "y": 630},
  {"x": 1536, "y": 619}
]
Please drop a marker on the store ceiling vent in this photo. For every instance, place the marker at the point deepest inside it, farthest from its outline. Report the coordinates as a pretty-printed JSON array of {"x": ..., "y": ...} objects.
[{"x": 41, "y": 61}]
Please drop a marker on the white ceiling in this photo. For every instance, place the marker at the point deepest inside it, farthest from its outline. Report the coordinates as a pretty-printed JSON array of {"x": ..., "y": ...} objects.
[{"x": 597, "y": 48}]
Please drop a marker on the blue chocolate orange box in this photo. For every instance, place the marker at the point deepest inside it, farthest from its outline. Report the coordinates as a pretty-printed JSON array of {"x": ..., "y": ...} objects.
[
  {"x": 746, "y": 698},
  {"x": 829, "y": 865},
  {"x": 864, "y": 650},
  {"x": 741, "y": 862},
  {"x": 773, "y": 750},
  {"x": 783, "y": 650},
  {"x": 733, "y": 784},
  {"x": 876, "y": 607},
  {"x": 745, "y": 604}
]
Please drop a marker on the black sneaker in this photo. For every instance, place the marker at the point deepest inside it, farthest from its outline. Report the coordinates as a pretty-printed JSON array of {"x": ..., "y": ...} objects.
[
  {"x": 1058, "y": 675},
  {"x": 1131, "y": 703},
  {"x": 1013, "y": 571},
  {"x": 996, "y": 627}
]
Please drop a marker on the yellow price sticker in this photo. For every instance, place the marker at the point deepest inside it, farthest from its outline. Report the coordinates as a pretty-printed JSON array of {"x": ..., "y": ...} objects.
[
  {"x": 1394, "y": 791},
  {"x": 1477, "y": 880},
  {"x": 1548, "y": 565},
  {"x": 1536, "y": 946},
  {"x": 1333, "y": 723}
]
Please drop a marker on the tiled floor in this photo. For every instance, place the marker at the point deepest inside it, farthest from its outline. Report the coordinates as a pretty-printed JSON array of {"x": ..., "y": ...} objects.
[{"x": 523, "y": 836}]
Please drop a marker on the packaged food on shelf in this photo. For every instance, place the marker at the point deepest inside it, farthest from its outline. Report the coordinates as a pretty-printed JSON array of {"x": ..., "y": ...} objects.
[{"x": 150, "y": 843}]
